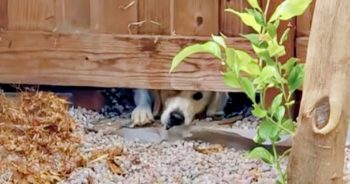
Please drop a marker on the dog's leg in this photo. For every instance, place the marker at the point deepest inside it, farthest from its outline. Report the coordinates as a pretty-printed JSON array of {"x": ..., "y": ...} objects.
[
  {"x": 142, "y": 114},
  {"x": 217, "y": 104}
]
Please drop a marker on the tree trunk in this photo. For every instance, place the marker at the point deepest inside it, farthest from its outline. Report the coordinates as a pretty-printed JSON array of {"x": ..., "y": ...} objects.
[{"x": 317, "y": 155}]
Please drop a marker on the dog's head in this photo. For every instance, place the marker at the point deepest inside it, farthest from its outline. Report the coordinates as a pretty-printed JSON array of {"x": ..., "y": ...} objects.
[{"x": 181, "y": 107}]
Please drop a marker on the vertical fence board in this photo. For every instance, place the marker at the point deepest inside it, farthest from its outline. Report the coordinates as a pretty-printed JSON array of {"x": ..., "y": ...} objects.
[
  {"x": 196, "y": 17},
  {"x": 301, "y": 45},
  {"x": 304, "y": 21},
  {"x": 73, "y": 15},
  {"x": 31, "y": 15},
  {"x": 3, "y": 14},
  {"x": 230, "y": 24},
  {"x": 156, "y": 17},
  {"x": 113, "y": 16}
]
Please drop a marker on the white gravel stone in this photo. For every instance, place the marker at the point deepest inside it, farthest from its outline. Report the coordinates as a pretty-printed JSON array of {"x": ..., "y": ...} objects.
[{"x": 175, "y": 162}]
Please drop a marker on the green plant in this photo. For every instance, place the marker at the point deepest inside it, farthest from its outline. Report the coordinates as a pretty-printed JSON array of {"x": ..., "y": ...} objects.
[{"x": 257, "y": 74}]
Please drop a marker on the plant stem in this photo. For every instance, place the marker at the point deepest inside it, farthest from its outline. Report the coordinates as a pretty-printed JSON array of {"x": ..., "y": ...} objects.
[
  {"x": 266, "y": 9},
  {"x": 262, "y": 98},
  {"x": 284, "y": 154},
  {"x": 278, "y": 125},
  {"x": 277, "y": 164}
]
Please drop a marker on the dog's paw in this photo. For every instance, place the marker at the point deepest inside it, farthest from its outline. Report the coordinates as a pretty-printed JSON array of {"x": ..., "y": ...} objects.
[
  {"x": 141, "y": 116},
  {"x": 216, "y": 115}
]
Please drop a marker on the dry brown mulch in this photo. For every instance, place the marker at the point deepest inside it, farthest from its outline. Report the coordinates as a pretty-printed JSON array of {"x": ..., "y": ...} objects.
[{"x": 37, "y": 139}]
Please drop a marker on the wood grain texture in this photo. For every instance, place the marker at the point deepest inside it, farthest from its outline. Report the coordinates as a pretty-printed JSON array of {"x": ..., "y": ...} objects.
[
  {"x": 107, "y": 61},
  {"x": 230, "y": 24},
  {"x": 156, "y": 14},
  {"x": 3, "y": 14},
  {"x": 73, "y": 15},
  {"x": 38, "y": 15},
  {"x": 113, "y": 16},
  {"x": 304, "y": 21},
  {"x": 196, "y": 17},
  {"x": 301, "y": 48},
  {"x": 317, "y": 155}
]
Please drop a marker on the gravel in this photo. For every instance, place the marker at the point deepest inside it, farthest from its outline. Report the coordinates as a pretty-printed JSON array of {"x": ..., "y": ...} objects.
[
  {"x": 175, "y": 162},
  {"x": 166, "y": 162}
]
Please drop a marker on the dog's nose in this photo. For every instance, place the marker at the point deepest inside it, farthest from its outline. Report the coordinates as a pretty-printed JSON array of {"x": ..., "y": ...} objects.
[{"x": 176, "y": 118}]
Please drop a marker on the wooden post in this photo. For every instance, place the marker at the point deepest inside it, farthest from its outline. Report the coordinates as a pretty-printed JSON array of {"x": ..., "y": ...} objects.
[{"x": 317, "y": 155}]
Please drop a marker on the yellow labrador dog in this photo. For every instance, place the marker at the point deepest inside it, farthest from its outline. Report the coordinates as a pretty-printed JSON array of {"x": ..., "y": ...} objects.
[{"x": 175, "y": 107}]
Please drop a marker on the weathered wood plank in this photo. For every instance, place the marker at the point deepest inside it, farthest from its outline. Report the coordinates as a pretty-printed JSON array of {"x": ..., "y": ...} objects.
[
  {"x": 73, "y": 16},
  {"x": 196, "y": 17},
  {"x": 230, "y": 24},
  {"x": 113, "y": 16},
  {"x": 156, "y": 17},
  {"x": 38, "y": 15},
  {"x": 107, "y": 61},
  {"x": 301, "y": 48},
  {"x": 3, "y": 14},
  {"x": 304, "y": 21}
]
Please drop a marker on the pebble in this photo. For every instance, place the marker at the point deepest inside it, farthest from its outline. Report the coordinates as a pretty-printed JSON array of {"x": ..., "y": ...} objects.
[
  {"x": 175, "y": 162},
  {"x": 165, "y": 162}
]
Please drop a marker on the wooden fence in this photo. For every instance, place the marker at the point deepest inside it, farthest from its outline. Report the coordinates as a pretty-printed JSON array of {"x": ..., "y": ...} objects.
[{"x": 121, "y": 43}]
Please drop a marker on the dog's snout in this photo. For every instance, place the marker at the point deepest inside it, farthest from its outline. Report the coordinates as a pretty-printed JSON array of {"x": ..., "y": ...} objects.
[{"x": 176, "y": 118}]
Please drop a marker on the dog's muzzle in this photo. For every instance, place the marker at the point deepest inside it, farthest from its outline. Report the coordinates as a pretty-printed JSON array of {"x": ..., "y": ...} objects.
[{"x": 176, "y": 118}]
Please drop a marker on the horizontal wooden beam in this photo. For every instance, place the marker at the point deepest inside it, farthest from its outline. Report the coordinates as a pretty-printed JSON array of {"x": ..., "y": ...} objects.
[{"x": 105, "y": 60}]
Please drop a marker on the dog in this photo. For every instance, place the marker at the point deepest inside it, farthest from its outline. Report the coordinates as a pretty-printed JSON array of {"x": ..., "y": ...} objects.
[{"x": 175, "y": 107}]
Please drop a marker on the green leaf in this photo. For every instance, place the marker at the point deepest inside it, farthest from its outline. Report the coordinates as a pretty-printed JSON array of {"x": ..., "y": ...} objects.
[
  {"x": 284, "y": 36},
  {"x": 219, "y": 40},
  {"x": 231, "y": 80},
  {"x": 254, "y": 4},
  {"x": 295, "y": 78},
  {"x": 289, "y": 9},
  {"x": 263, "y": 154},
  {"x": 269, "y": 72},
  {"x": 252, "y": 68},
  {"x": 247, "y": 87},
  {"x": 209, "y": 47},
  {"x": 275, "y": 49},
  {"x": 258, "y": 111},
  {"x": 289, "y": 125},
  {"x": 243, "y": 56},
  {"x": 289, "y": 64},
  {"x": 268, "y": 130},
  {"x": 246, "y": 63},
  {"x": 247, "y": 19},
  {"x": 231, "y": 61},
  {"x": 253, "y": 38},
  {"x": 272, "y": 28},
  {"x": 263, "y": 54},
  {"x": 280, "y": 113},
  {"x": 259, "y": 17},
  {"x": 277, "y": 101},
  {"x": 258, "y": 139}
]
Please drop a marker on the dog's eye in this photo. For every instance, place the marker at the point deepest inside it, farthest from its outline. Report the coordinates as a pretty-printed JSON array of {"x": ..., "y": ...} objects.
[{"x": 197, "y": 96}]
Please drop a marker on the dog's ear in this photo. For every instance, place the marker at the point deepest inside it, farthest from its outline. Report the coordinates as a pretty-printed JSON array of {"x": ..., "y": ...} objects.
[
  {"x": 217, "y": 104},
  {"x": 157, "y": 102},
  {"x": 159, "y": 98}
]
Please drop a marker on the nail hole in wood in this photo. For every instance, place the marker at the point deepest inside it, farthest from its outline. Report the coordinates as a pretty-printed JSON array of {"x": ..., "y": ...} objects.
[{"x": 199, "y": 21}]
